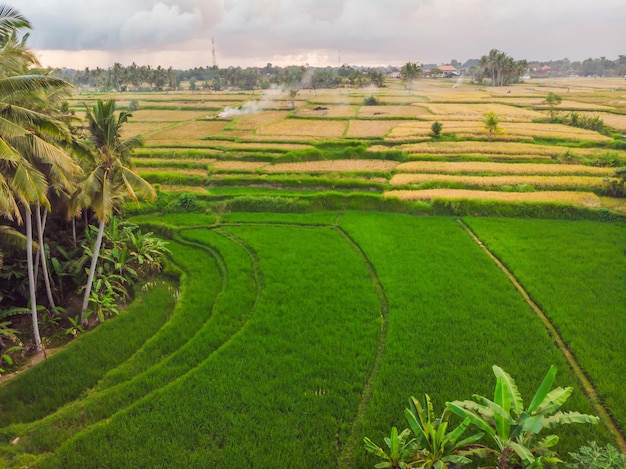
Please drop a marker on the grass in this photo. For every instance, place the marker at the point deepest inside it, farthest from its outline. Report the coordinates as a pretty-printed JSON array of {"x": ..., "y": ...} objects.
[
  {"x": 263, "y": 386},
  {"x": 270, "y": 353},
  {"x": 452, "y": 315},
  {"x": 67, "y": 374},
  {"x": 576, "y": 272}
]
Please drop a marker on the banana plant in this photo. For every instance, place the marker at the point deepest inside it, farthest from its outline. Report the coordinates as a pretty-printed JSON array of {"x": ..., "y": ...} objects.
[
  {"x": 401, "y": 452},
  {"x": 515, "y": 429},
  {"x": 438, "y": 448}
]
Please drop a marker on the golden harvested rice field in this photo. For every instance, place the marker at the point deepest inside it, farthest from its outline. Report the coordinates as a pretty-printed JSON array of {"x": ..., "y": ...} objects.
[
  {"x": 166, "y": 115},
  {"x": 331, "y": 166},
  {"x": 577, "y": 182},
  {"x": 507, "y": 131},
  {"x": 370, "y": 128},
  {"x": 315, "y": 129},
  {"x": 501, "y": 168},
  {"x": 266, "y": 126},
  {"x": 254, "y": 120},
  {"x": 581, "y": 199},
  {"x": 461, "y": 111},
  {"x": 327, "y": 110},
  {"x": 381, "y": 111},
  {"x": 194, "y": 130}
]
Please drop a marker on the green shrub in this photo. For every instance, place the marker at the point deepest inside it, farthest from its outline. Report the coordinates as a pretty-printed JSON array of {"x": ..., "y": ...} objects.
[
  {"x": 370, "y": 101},
  {"x": 597, "y": 457},
  {"x": 436, "y": 129}
]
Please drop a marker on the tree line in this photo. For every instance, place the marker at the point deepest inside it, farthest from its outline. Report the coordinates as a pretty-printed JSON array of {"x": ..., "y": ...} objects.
[{"x": 146, "y": 78}]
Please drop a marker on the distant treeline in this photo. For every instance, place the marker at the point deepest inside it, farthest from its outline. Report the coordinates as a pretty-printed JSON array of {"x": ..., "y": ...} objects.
[{"x": 146, "y": 78}]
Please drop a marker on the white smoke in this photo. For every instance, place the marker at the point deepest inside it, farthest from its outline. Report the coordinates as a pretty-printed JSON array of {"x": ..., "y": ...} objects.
[
  {"x": 268, "y": 100},
  {"x": 247, "y": 108}
]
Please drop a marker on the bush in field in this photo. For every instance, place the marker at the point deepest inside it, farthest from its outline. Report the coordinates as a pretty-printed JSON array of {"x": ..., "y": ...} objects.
[
  {"x": 515, "y": 429},
  {"x": 491, "y": 121},
  {"x": 370, "y": 101},
  {"x": 433, "y": 445},
  {"x": 597, "y": 457},
  {"x": 553, "y": 100},
  {"x": 126, "y": 254},
  {"x": 436, "y": 129}
]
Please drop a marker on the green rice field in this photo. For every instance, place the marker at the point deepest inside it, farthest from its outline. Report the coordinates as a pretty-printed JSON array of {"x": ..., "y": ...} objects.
[
  {"x": 323, "y": 269},
  {"x": 292, "y": 336}
]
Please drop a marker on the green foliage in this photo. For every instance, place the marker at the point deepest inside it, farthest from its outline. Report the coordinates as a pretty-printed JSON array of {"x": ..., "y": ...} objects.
[
  {"x": 491, "y": 122},
  {"x": 553, "y": 100},
  {"x": 597, "y": 457},
  {"x": 578, "y": 284},
  {"x": 126, "y": 255},
  {"x": 436, "y": 128},
  {"x": 496, "y": 208},
  {"x": 66, "y": 372},
  {"x": 610, "y": 159},
  {"x": 436, "y": 446},
  {"x": 447, "y": 320},
  {"x": 401, "y": 452},
  {"x": 514, "y": 429},
  {"x": 370, "y": 101}
]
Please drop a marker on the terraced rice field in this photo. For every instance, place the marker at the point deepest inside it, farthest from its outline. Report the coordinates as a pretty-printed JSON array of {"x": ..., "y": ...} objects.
[
  {"x": 292, "y": 336},
  {"x": 269, "y": 132}
]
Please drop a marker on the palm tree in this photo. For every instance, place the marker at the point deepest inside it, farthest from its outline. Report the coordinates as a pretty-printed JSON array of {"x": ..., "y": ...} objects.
[
  {"x": 27, "y": 137},
  {"x": 110, "y": 173},
  {"x": 409, "y": 72},
  {"x": 491, "y": 121}
]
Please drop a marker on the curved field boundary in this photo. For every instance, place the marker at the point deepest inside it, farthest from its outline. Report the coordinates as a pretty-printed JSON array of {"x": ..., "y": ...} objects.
[
  {"x": 210, "y": 337},
  {"x": 43, "y": 389},
  {"x": 285, "y": 391},
  {"x": 586, "y": 384},
  {"x": 346, "y": 458}
]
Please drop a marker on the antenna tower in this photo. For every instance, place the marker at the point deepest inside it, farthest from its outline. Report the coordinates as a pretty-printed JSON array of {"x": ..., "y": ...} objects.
[{"x": 213, "y": 44}]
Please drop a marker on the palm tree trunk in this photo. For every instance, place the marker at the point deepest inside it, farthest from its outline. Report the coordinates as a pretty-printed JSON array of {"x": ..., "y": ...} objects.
[
  {"x": 74, "y": 231},
  {"x": 92, "y": 271},
  {"x": 38, "y": 254},
  {"x": 31, "y": 276},
  {"x": 44, "y": 264}
]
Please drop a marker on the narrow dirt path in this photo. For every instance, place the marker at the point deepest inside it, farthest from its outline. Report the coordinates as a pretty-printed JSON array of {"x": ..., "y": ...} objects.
[{"x": 586, "y": 384}]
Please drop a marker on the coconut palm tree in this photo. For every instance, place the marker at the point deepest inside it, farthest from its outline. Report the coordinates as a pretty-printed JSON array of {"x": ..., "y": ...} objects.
[
  {"x": 28, "y": 137},
  {"x": 491, "y": 121},
  {"x": 409, "y": 72},
  {"x": 110, "y": 174}
]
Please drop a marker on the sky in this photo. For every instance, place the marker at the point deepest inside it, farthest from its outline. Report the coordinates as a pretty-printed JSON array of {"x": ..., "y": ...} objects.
[{"x": 179, "y": 33}]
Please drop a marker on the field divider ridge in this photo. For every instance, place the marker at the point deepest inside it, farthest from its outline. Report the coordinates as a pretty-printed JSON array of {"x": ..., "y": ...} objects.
[
  {"x": 347, "y": 455},
  {"x": 578, "y": 370}
]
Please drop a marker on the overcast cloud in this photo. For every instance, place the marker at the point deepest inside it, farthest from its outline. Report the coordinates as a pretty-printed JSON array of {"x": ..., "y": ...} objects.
[{"x": 80, "y": 33}]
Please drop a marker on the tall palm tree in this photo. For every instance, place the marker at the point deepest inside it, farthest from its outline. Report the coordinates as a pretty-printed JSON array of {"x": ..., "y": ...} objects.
[
  {"x": 409, "y": 72},
  {"x": 27, "y": 137},
  {"x": 110, "y": 174}
]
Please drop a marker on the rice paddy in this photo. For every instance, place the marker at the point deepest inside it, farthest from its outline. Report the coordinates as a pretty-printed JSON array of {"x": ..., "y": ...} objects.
[
  {"x": 575, "y": 198},
  {"x": 317, "y": 327},
  {"x": 293, "y": 335},
  {"x": 500, "y": 168}
]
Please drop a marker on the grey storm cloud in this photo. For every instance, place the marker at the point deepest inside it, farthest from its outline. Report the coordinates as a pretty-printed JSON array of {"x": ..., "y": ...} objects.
[{"x": 382, "y": 31}]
